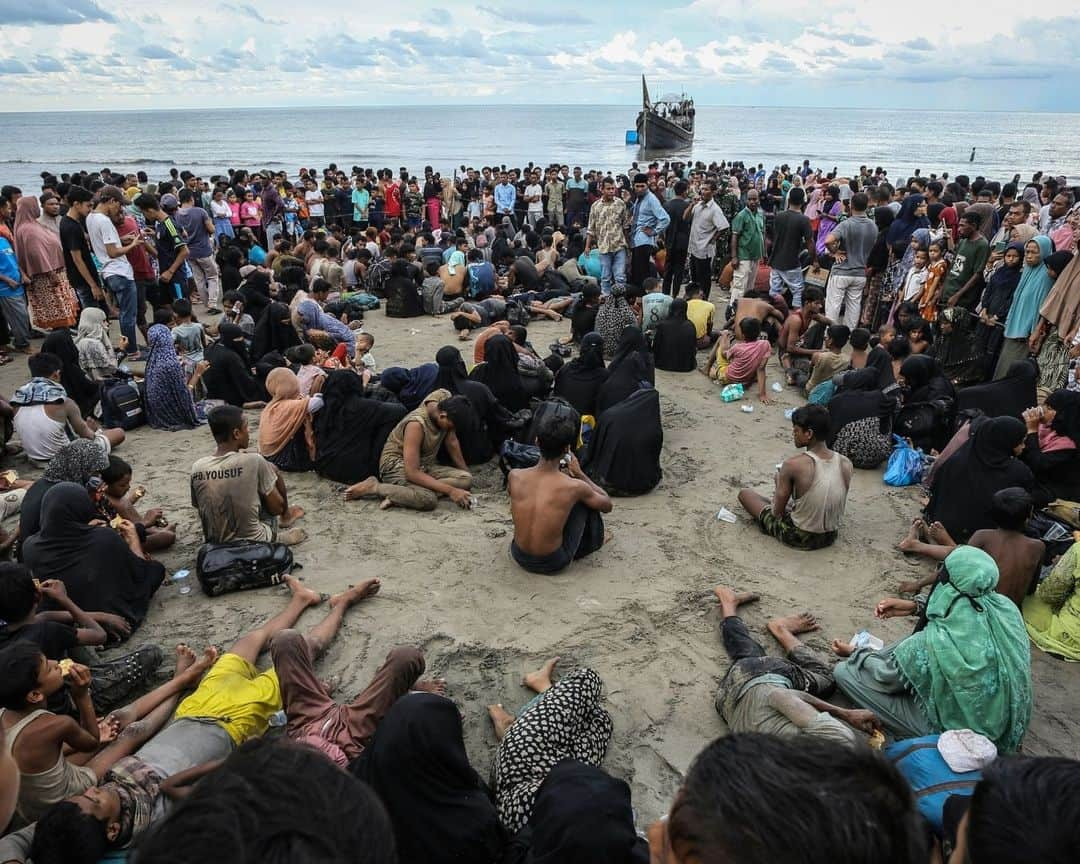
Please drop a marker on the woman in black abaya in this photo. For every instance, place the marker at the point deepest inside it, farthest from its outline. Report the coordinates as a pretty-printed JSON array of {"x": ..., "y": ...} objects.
[
  {"x": 499, "y": 372},
  {"x": 623, "y": 455},
  {"x": 488, "y": 424},
  {"x": 675, "y": 342},
  {"x": 417, "y": 765},
  {"x": 351, "y": 429},
  {"x": 229, "y": 377},
  {"x": 579, "y": 381},
  {"x": 79, "y": 387},
  {"x": 962, "y": 488},
  {"x": 101, "y": 570},
  {"x": 631, "y": 365}
]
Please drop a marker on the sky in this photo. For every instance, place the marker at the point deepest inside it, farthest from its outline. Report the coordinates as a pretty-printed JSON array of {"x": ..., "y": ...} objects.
[{"x": 964, "y": 54}]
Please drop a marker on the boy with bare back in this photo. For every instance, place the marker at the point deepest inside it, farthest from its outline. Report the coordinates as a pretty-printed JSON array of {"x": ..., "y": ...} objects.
[
  {"x": 1018, "y": 557},
  {"x": 555, "y": 506}
]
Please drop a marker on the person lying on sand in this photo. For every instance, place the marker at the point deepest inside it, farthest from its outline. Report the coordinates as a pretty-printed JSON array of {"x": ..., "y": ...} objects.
[{"x": 780, "y": 696}]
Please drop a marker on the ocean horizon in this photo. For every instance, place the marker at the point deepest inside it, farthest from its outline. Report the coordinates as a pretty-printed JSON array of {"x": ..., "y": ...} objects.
[{"x": 209, "y": 141}]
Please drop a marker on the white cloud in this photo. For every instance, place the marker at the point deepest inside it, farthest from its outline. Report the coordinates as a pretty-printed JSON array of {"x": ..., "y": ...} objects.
[{"x": 718, "y": 50}]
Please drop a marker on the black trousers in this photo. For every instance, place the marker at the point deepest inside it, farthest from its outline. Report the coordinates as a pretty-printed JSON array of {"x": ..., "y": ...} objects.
[
  {"x": 701, "y": 274},
  {"x": 674, "y": 271},
  {"x": 640, "y": 264}
]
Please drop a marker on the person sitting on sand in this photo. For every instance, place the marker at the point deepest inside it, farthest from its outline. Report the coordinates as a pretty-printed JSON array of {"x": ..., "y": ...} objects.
[
  {"x": 154, "y": 529},
  {"x": 555, "y": 506},
  {"x": 60, "y": 756},
  {"x": 814, "y": 482},
  {"x": 742, "y": 362},
  {"x": 409, "y": 472},
  {"x": 802, "y": 336},
  {"x": 563, "y": 721},
  {"x": 239, "y": 495},
  {"x": 968, "y": 668},
  {"x": 780, "y": 696},
  {"x": 1018, "y": 557},
  {"x": 340, "y": 732},
  {"x": 46, "y": 418},
  {"x": 831, "y": 361}
]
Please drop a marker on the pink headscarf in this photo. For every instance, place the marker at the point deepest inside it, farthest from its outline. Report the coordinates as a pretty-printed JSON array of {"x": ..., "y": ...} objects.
[
  {"x": 813, "y": 206},
  {"x": 38, "y": 249}
]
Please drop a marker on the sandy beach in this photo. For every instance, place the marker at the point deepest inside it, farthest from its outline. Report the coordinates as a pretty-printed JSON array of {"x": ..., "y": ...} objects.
[{"x": 640, "y": 612}]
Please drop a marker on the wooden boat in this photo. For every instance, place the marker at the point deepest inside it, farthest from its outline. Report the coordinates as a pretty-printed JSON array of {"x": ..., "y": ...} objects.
[{"x": 667, "y": 123}]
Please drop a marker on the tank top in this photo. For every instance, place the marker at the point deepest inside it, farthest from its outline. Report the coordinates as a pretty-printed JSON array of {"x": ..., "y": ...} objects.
[
  {"x": 38, "y": 792},
  {"x": 821, "y": 507},
  {"x": 41, "y": 436}
]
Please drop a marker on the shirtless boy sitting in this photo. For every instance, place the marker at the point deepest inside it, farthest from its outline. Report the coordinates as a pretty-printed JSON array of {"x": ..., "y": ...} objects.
[
  {"x": 771, "y": 318},
  {"x": 555, "y": 506},
  {"x": 814, "y": 482},
  {"x": 1018, "y": 557}
]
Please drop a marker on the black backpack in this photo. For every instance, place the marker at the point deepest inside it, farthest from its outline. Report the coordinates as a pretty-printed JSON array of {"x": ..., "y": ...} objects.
[
  {"x": 516, "y": 313},
  {"x": 121, "y": 405},
  {"x": 241, "y": 565}
]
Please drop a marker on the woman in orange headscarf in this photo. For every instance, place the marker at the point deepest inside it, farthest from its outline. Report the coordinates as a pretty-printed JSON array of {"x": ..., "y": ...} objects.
[
  {"x": 286, "y": 434},
  {"x": 52, "y": 300}
]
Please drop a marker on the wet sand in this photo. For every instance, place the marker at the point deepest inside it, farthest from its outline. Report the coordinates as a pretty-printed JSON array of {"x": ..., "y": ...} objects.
[{"x": 640, "y": 611}]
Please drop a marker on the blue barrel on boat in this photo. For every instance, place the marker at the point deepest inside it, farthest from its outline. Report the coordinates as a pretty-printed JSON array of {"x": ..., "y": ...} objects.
[{"x": 631, "y": 136}]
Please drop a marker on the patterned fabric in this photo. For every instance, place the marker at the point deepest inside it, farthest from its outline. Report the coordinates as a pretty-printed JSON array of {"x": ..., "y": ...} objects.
[
  {"x": 39, "y": 391},
  {"x": 566, "y": 722},
  {"x": 76, "y": 462},
  {"x": 790, "y": 534},
  {"x": 862, "y": 442},
  {"x": 52, "y": 300},
  {"x": 613, "y": 317},
  {"x": 1053, "y": 362},
  {"x": 607, "y": 225},
  {"x": 137, "y": 784},
  {"x": 168, "y": 401}
]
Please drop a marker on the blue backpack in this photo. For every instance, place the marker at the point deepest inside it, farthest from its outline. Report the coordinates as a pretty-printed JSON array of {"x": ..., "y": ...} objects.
[{"x": 930, "y": 777}]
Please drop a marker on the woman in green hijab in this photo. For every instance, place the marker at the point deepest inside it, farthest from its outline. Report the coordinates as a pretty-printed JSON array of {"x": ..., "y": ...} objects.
[{"x": 968, "y": 668}]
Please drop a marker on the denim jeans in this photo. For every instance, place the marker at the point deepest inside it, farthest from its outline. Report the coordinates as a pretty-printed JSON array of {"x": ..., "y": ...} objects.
[
  {"x": 793, "y": 279},
  {"x": 273, "y": 232},
  {"x": 612, "y": 270},
  {"x": 18, "y": 321},
  {"x": 127, "y": 298}
]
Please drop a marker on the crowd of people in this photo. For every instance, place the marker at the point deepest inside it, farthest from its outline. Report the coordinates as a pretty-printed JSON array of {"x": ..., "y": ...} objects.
[{"x": 935, "y": 316}]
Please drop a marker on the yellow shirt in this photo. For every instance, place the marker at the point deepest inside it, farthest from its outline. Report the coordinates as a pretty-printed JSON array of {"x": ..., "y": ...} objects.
[
  {"x": 237, "y": 695},
  {"x": 699, "y": 312}
]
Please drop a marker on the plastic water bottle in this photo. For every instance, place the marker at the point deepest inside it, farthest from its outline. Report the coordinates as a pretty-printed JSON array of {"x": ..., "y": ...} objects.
[
  {"x": 182, "y": 581},
  {"x": 278, "y": 719}
]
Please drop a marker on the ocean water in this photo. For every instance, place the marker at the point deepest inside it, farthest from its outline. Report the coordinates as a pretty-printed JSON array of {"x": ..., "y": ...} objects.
[{"x": 593, "y": 136}]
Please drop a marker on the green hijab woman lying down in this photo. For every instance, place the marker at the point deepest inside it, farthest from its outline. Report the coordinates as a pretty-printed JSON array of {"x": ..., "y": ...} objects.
[{"x": 969, "y": 668}]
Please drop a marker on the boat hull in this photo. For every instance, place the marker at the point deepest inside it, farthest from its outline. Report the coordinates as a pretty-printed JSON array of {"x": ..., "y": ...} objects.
[{"x": 656, "y": 133}]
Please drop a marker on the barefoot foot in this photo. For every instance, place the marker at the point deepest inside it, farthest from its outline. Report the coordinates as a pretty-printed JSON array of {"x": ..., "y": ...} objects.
[
  {"x": 191, "y": 675},
  {"x": 368, "y": 588},
  {"x": 540, "y": 680},
  {"x": 608, "y": 537},
  {"x": 385, "y": 504},
  {"x": 291, "y": 515},
  {"x": 302, "y": 592},
  {"x": 362, "y": 489},
  {"x": 431, "y": 685},
  {"x": 185, "y": 658},
  {"x": 501, "y": 718},
  {"x": 729, "y": 599},
  {"x": 803, "y": 622},
  {"x": 291, "y": 537}
]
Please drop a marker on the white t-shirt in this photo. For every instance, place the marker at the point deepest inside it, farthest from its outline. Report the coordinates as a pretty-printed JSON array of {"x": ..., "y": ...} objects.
[
  {"x": 102, "y": 231},
  {"x": 536, "y": 189},
  {"x": 706, "y": 221},
  {"x": 314, "y": 195},
  {"x": 220, "y": 210}
]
